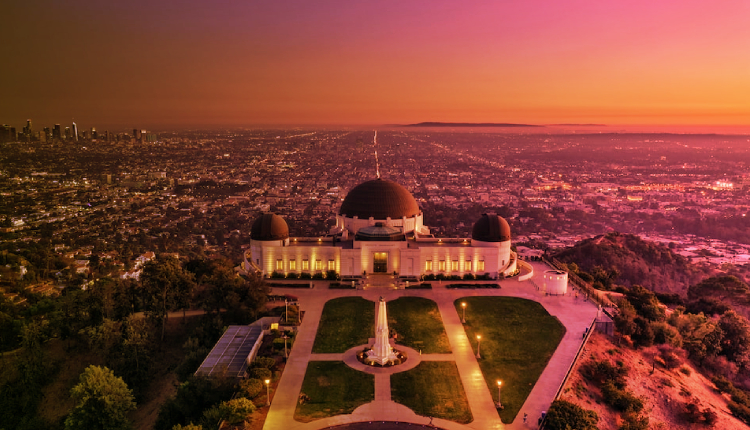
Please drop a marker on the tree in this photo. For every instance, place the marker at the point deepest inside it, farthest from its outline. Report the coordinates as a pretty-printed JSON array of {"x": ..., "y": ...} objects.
[
  {"x": 242, "y": 298},
  {"x": 166, "y": 285},
  {"x": 736, "y": 342},
  {"x": 645, "y": 303},
  {"x": 624, "y": 320},
  {"x": 102, "y": 401},
  {"x": 233, "y": 411}
]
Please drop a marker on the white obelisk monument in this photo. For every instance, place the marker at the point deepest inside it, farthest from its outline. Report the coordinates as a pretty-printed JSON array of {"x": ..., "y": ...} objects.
[{"x": 382, "y": 352}]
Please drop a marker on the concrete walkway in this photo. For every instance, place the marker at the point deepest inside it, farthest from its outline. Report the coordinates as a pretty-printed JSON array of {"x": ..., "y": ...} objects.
[{"x": 575, "y": 315}]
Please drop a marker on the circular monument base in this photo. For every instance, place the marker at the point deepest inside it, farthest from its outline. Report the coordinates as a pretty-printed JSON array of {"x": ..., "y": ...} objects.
[
  {"x": 399, "y": 357},
  {"x": 351, "y": 360}
]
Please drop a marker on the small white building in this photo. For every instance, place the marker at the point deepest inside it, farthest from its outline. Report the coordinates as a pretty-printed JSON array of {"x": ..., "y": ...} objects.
[{"x": 555, "y": 282}]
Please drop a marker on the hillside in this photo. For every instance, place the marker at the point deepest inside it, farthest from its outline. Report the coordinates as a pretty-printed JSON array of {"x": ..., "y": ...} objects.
[
  {"x": 626, "y": 259},
  {"x": 664, "y": 392}
]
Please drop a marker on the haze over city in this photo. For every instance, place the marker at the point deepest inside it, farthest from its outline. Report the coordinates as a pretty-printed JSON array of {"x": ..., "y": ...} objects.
[{"x": 234, "y": 63}]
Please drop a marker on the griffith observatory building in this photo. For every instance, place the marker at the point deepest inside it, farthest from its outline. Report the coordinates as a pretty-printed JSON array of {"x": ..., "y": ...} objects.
[{"x": 379, "y": 230}]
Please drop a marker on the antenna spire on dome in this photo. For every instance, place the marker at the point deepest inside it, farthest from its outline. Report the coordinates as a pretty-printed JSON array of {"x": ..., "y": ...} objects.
[{"x": 377, "y": 163}]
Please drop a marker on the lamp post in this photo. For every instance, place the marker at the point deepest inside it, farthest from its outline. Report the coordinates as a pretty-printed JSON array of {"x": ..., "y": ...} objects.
[
  {"x": 286, "y": 355},
  {"x": 268, "y": 392},
  {"x": 499, "y": 399},
  {"x": 479, "y": 343},
  {"x": 463, "y": 309},
  {"x": 286, "y": 310}
]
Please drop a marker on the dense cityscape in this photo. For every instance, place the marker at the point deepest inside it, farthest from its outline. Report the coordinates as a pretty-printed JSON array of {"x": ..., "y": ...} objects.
[{"x": 191, "y": 193}]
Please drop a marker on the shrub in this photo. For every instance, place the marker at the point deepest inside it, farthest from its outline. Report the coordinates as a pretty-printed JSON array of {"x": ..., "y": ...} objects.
[
  {"x": 266, "y": 362},
  {"x": 563, "y": 415},
  {"x": 740, "y": 411},
  {"x": 633, "y": 421},
  {"x": 318, "y": 275},
  {"x": 305, "y": 275},
  {"x": 670, "y": 356},
  {"x": 468, "y": 277},
  {"x": 292, "y": 275},
  {"x": 691, "y": 412},
  {"x": 603, "y": 371},
  {"x": 710, "y": 417},
  {"x": 190, "y": 363},
  {"x": 250, "y": 388},
  {"x": 260, "y": 373},
  {"x": 276, "y": 275},
  {"x": 332, "y": 275},
  {"x": 621, "y": 399},
  {"x": 722, "y": 384},
  {"x": 685, "y": 370}
]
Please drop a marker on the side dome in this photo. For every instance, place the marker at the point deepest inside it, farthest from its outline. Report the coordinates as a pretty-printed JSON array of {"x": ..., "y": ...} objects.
[
  {"x": 269, "y": 226},
  {"x": 379, "y": 199},
  {"x": 491, "y": 228}
]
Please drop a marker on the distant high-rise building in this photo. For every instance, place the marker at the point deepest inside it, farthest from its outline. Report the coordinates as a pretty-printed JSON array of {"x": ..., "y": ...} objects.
[
  {"x": 28, "y": 132},
  {"x": 5, "y": 133},
  {"x": 47, "y": 134},
  {"x": 56, "y": 133},
  {"x": 67, "y": 133},
  {"x": 74, "y": 131},
  {"x": 94, "y": 134}
]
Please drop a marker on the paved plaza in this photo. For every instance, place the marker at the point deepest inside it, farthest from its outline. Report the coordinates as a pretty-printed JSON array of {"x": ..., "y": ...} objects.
[{"x": 575, "y": 314}]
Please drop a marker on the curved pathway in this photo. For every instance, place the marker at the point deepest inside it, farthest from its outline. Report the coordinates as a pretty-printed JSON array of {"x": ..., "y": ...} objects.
[{"x": 575, "y": 315}]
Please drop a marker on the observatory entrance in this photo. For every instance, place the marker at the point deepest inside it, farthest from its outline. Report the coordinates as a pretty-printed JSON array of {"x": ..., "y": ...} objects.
[{"x": 380, "y": 262}]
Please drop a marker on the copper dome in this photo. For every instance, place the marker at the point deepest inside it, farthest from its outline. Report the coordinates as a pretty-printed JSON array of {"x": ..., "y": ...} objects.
[
  {"x": 491, "y": 228},
  {"x": 269, "y": 226},
  {"x": 379, "y": 199}
]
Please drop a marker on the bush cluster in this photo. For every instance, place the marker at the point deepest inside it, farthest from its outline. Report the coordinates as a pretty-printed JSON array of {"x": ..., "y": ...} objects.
[
  {"x": 564, "y": 415},
  {"x": 692, "y": 413},
  {"x": 739, "y": 405}
]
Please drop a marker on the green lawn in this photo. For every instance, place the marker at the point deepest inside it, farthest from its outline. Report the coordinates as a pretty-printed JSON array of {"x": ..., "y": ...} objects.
[
  {"x": 418, "y": 323},
  {"x": 334, "y": 389},
  {"x": 346, "y": 322},
  {"x": 518, "y": 339},
  {"x": 432, "y": 389}
]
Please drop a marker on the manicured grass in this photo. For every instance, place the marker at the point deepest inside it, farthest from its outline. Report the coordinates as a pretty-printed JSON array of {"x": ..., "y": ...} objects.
[
  {"x": 346, "y": 322},
  {"x": 334, "y": 389},
  {"x": 418, "y": 323},
  {"x": 432, "y": 389},
  {"x": 518, "y": 339}
]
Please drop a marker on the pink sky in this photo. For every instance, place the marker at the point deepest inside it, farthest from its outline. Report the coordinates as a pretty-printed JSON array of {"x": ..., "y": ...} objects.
[{"x": 200, "y": 63}]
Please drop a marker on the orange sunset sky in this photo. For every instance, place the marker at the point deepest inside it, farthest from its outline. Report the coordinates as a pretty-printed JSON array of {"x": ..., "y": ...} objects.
[{"x": 183, "y": 63}]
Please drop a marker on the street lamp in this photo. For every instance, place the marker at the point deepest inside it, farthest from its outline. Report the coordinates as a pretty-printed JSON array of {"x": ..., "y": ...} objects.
[
  {"x": 286, "y": 310},
  {"x": 479, "y": 343},
  {"x": 463, "y": 317},
  {"x": 285, "y": 353},
  {"x": 268, "y": 392},
  {"x": 499, "y": 401}
]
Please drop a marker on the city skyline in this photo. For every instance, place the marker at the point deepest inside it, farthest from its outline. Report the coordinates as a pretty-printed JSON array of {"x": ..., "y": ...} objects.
[{"x": 185, "y": 64}]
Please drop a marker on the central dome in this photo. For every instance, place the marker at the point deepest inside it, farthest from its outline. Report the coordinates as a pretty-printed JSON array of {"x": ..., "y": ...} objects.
[{"x": 379, "y": 199}]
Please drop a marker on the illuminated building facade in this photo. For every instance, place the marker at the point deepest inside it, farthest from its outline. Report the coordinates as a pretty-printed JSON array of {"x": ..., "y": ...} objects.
[{"x": 380, "y": 230}]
